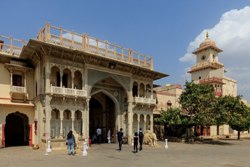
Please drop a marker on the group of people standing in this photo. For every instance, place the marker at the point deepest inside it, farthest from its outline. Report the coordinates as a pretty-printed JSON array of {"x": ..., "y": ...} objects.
[{"x": 137, "y": 139}]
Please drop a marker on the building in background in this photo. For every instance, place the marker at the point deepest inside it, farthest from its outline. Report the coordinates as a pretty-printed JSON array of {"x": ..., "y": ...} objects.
[{"x": 167, "y": 97}]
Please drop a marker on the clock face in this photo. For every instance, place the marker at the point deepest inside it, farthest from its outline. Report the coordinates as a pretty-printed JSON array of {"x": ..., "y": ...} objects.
[{"x": 203, "y": 57}]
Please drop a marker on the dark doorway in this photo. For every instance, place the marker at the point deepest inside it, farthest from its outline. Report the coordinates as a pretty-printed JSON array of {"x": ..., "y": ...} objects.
[
  {"x": 102, "y": 115},
  {"x": 16, "y": 130}
]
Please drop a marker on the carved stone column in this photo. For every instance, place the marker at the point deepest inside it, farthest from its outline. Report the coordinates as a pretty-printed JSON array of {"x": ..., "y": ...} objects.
[
  {"x": 61, "y": 124},
  {"x": 151, "y": 123},
  {"x": 87, "y": 117},
  {"x": 138, "y": 122},
  {"x": 72, "y": 78},
  {"x": 145, "y": 122},
  {"x": 72, "y": 120},
  {"x": 130, "y": 121},
  {"x": 61, "y": 77},
  {"x": 48, "y": 116},
  {"x": 83, "y": 124}
]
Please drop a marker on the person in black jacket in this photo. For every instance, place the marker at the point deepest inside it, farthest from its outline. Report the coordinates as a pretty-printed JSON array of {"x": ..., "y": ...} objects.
[
  {"x": 136, "y": 142},
  {"x": 119, "y": 138},
  {"x": 141, "y": 136}
]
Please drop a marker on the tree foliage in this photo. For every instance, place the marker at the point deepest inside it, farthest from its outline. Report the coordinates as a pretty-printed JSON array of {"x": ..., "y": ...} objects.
[
  {"x": 197, "y": 102},
  {"x": 238, "y": 113},
  {"x": 170, "y": 117}
]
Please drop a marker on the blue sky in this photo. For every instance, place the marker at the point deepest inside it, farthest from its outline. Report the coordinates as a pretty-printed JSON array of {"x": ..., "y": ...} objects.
[{"x": 165, "y": 29}]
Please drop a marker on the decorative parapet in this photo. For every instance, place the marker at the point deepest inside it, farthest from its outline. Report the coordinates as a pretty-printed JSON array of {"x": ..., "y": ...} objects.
[
  {"x": 203, "y": 65},
  {"x": 211, "y": 80},
  {"x": 144, "y": 100},
  {"x": 86, "y": 43},
  {"x": 11, "y": 46},
  {"x": 68, "y": 91}
]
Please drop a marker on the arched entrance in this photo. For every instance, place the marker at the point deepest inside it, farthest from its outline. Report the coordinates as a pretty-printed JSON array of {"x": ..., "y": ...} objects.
[
  {"x": 102, "y": 115},
  {"x": 16, "y": 130}
]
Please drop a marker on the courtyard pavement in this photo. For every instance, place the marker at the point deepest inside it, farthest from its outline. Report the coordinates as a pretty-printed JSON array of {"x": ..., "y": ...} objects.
[{"x": 223, "y": 153}]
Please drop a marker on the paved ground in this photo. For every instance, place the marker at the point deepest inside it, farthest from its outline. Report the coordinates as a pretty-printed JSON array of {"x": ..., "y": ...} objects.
[{"x": 224, "y": 153}]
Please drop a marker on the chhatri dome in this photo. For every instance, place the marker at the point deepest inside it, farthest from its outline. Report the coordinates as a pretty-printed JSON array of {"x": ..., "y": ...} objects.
[{"x": 206, "y": 44}]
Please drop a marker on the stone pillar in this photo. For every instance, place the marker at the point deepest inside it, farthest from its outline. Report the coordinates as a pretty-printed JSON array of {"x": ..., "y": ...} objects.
[
  {"x": 151, "y": 123},
  {"x": 61, "y": 77},
  {"x": 138, "y": 122},
  {"x": 72, "y": 78},
  {"x": 61, "y": 124},
  {"x": 87, "y": 118},
  {"x": 83, "y": 125},
  {"x": 47, "y": 74},
  {"x": 48, "y": 116},
  {"x": 130, "y": 121},
  {"x": 72, "y": 120},
  {"x": 145, "y": 122}
]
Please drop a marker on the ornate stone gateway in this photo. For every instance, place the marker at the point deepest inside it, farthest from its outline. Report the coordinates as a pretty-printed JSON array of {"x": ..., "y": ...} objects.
[
  {"x": 16, "y": 130},
  {"x": 102, "y": 115}
]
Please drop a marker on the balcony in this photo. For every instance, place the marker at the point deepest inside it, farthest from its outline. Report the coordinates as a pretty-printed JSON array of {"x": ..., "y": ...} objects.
[
  {"x": 204, "y": 65},
  {"x": 11, "y": 46},
  {"x": 82, "y": 42},
  {"x": 68, "y": 91},
  {"x": 211, "y": 80},
  {"x": 18, "y": 89},
  {"x": 144, "y": 100},
  {"x": 218, "y": 93}
]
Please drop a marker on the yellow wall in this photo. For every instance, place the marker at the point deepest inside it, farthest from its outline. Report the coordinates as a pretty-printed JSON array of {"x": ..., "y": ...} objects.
[{"x": 4, "y": 82}]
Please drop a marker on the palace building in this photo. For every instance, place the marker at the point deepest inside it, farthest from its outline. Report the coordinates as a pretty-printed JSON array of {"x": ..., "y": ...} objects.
[{"x": 64, "y": 81}]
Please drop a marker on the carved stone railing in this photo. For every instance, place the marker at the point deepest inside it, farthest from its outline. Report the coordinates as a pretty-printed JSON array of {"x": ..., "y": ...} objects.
[
  {"x": 202, "y": 65},
  {"x": 144, "y": 100},
  {"x": 211, "y": 80},
  {"x": 68, "y": 91},
  {"x": 11, "y": 46},
  {"x": 86, "y": 43},
  {"x": 18, "y": 89}
]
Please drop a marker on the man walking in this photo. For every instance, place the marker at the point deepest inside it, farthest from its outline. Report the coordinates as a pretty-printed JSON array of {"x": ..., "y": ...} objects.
[
  {"x": 141, "y": 135},
  {"x": 119, "y": 138},
  {"x": 99, "y": 135}
]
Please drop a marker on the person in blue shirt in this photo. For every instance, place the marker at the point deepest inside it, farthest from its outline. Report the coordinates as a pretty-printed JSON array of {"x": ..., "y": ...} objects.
[{"x": 71, "y": 143}]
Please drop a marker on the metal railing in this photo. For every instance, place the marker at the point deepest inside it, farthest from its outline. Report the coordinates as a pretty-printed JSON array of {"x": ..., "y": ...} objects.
[
  {"x": 83, "y": 42},
  {"x": 11, "y": 46},
  {"x": 68, "y": 91}
]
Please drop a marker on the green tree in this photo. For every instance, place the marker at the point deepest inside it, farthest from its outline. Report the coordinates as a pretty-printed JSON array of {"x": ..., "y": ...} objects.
[
  {"x": 197, "y": 103},
  {"x": 171, "y": 119},
  {"x": 239, "y": 114},
  {"x": 221, "y": 112}
]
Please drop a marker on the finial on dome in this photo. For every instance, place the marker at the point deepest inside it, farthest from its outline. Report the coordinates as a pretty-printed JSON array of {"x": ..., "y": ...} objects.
[{"x": 207, "y": 35}]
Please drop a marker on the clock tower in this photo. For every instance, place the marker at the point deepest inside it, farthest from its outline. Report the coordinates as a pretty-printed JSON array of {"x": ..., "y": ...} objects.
[{"x": 208, "y": 69}]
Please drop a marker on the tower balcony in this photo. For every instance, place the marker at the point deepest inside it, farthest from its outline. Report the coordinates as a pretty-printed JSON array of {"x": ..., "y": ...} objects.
[
  {"x": 144, "y": 100},
  {"x": 68, "y": 91},
  {"x": 204, "y": 65},
  {"x": 211, "y": 80},
  {"x": 218, "y": 93}
]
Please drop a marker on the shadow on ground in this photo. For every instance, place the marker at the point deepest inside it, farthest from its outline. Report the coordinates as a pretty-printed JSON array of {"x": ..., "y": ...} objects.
[{"x": 213, "y": 142}]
